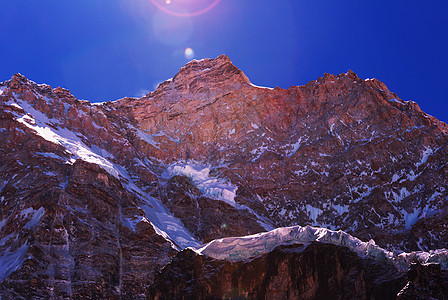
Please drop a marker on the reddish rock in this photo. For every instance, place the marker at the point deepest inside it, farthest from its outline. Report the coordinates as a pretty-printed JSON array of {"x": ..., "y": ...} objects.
[{"x": 339, "y": 152}]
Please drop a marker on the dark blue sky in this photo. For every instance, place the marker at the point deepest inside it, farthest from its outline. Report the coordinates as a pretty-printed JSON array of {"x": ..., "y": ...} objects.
[{"x": 107, "y": 49}]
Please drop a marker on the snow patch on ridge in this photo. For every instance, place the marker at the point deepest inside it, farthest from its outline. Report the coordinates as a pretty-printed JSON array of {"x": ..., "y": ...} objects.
[
  {"x": 295, "y": 147},
  {"x": 133, "y": 221},
  {"x": 2, "y": 223},
  {"x": 213, "y": 188},
  {"x": 200, "y": 176},
  {"x": 341, "y": 209},
  {"x": 416, "y": 214},
  {"x": 396, "y": 101},
  {"x": 260, "y": 87},
  {"x": 39, "y": 123},
  {"x": 36, "y": 216},
  {"x": 425, "y": 155},
  {"x": 163, "y": 222},
  {"x": 313, "y": 212},
  {"x": 167, "y": 225},
  {"x": 147, "y": 138},
  {"x": 49, "y": 154},
  {"x": 242, "y": 248},
  {"x": 11, "y": 261},
  {"x": 2, "y": 185}
]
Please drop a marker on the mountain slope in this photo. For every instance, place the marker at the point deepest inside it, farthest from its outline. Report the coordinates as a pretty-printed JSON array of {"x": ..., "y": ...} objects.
[
  {"x": 339, "y": 152},
  {"x": 97, "y": 198}
]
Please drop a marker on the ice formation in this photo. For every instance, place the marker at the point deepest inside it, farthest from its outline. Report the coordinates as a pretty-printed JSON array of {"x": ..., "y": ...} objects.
[{"x": 241, "y": 248}]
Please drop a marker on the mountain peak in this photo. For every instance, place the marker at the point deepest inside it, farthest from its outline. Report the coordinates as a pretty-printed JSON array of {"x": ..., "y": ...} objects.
[
  {"x": 208, "y": 62},
  {"x": 18, "y": 80},
  {"x": 19, "y": 76},
  {"x": 205, "y": 75},
  {"x": 219, "y": 60},
  {"x": 351, "y": 74}
]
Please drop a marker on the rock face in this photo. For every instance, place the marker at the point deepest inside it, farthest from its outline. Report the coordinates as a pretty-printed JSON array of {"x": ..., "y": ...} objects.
[
  {"x": 204, "y": 217},
  {"x": 339, "y": 152},
  {"x": 95, "y": 199},
  {"x": 317, "y": 271},
  {"x": 425, "y": 282}
]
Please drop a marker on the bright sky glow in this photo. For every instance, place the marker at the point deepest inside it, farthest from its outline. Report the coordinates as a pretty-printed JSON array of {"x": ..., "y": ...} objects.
[{"x": 184, "y": 8}]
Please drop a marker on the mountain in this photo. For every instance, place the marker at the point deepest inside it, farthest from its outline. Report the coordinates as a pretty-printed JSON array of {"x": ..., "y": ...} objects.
[{"x": 97, "y": 200}]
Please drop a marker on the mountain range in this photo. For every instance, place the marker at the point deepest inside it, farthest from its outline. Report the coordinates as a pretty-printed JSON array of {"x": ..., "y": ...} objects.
[{"x": 213, "y": 187}]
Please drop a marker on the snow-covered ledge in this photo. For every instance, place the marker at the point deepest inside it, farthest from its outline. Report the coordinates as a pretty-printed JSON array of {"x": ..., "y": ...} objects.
[
  {"x": 199, "y": 175},
  {"x": 241, "y": 248}
]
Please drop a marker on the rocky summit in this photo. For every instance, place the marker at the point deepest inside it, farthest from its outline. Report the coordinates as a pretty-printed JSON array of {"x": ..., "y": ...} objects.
[{"x": 212, "y": 187}]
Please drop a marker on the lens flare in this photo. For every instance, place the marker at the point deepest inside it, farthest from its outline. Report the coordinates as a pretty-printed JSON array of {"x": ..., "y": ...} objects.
[
  {"x": 181, "y": 13},
  {"x": 170, "y": 30},
  {"x": 189, "y": 53}
]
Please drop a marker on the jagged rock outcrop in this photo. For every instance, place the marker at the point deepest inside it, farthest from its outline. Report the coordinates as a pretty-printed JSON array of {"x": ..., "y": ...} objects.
[{"x": 95, "y": 199}]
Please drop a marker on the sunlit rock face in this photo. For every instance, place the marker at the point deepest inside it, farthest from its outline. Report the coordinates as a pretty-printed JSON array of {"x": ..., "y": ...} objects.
[
  {"x": 95, "y": 199},
  {"x": 339, "y": 152}
]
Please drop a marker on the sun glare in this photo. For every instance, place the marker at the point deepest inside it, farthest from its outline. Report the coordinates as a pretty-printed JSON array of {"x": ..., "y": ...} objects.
[
  {"x": 183, "y": 8},
  {"x": 189, "y": 53}
]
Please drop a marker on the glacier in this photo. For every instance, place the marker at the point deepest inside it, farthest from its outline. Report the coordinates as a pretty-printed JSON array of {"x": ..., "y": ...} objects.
[{"x": 246, "y": 247}]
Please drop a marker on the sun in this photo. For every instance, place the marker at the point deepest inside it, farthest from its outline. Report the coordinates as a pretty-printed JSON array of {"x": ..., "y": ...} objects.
[{"x": 183, "y": 8}]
